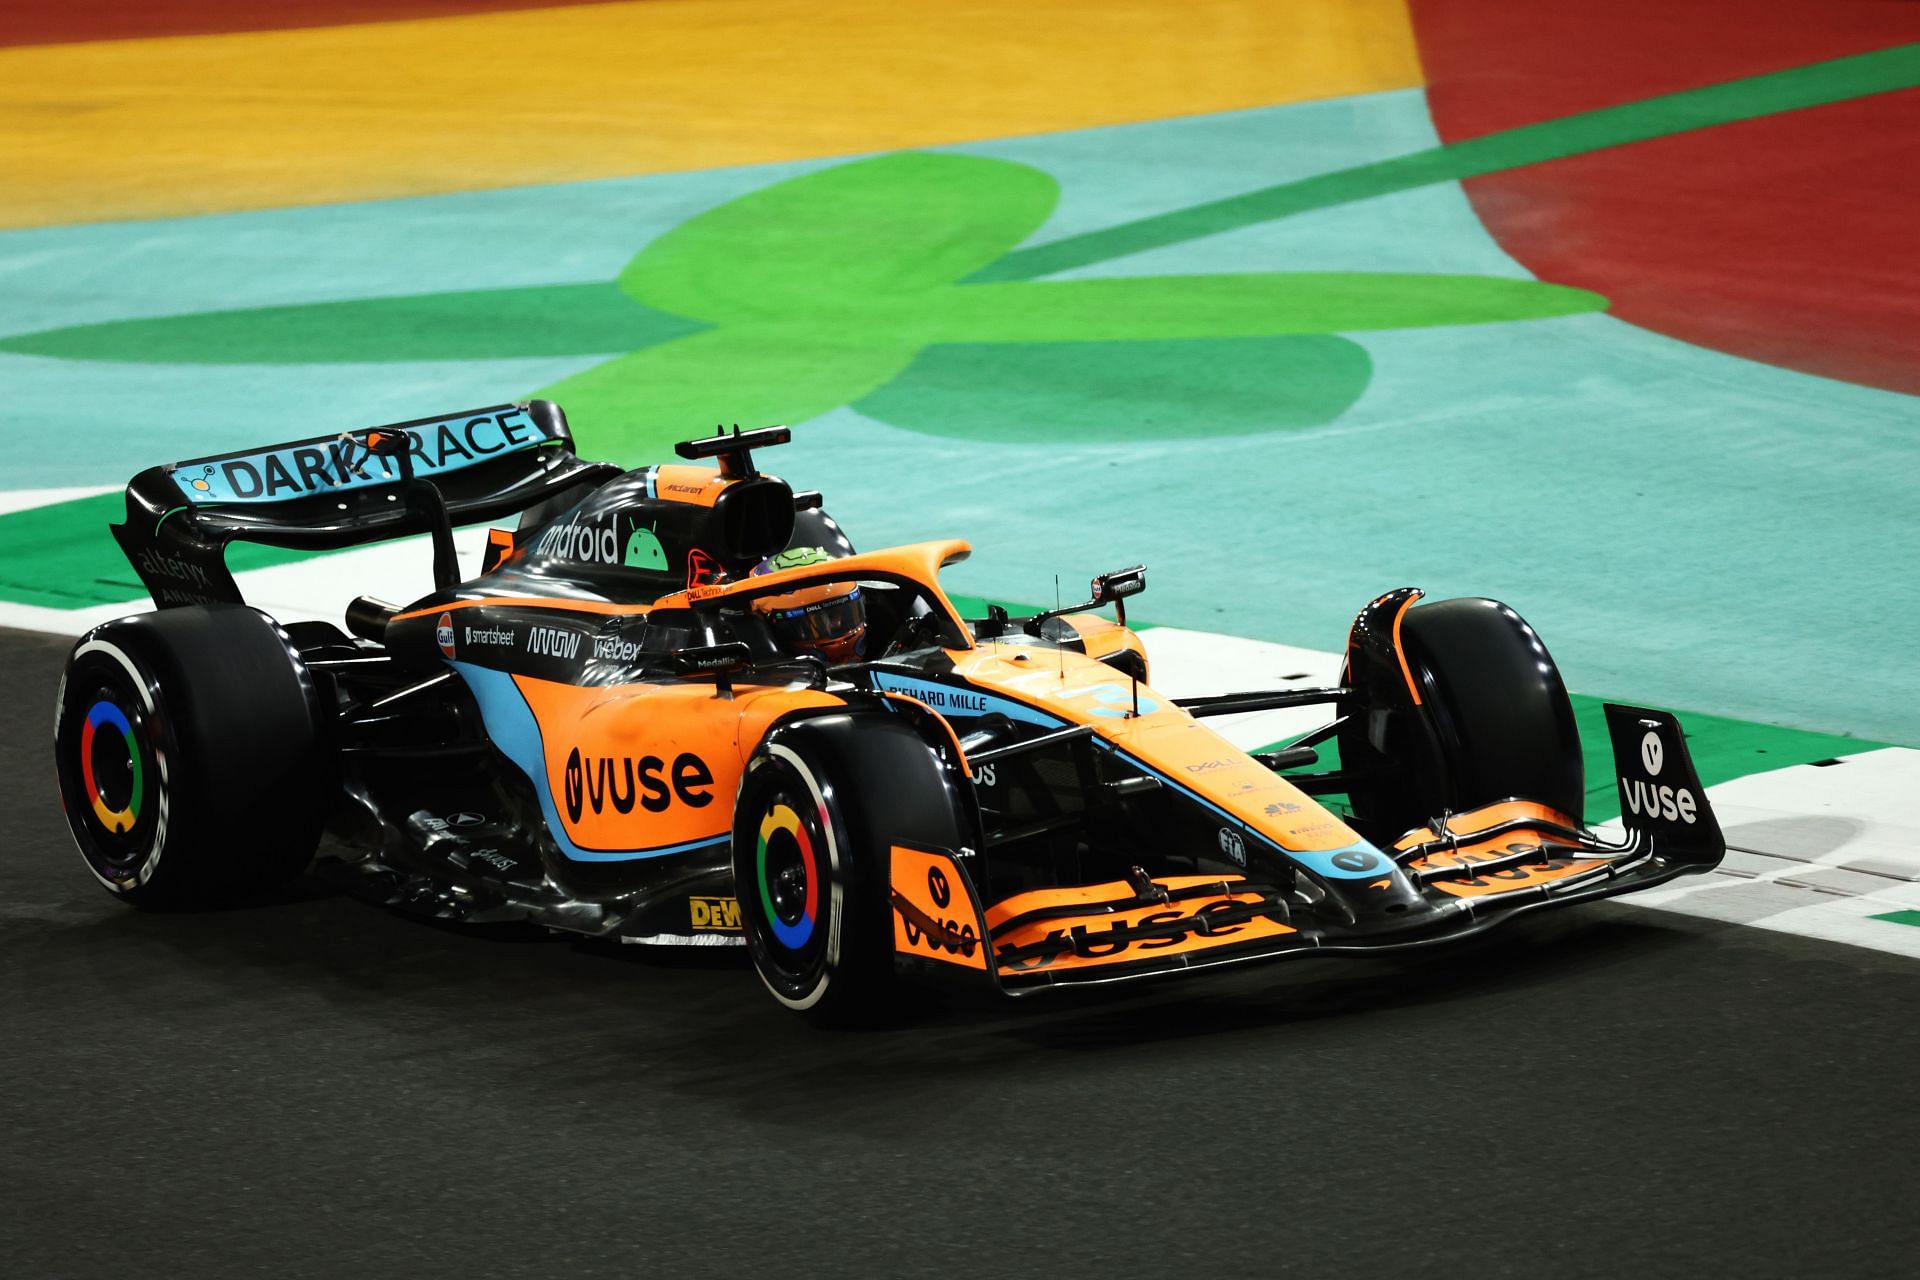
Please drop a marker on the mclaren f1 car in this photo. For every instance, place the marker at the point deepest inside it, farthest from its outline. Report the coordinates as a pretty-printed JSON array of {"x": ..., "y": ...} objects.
[{"x": 675, "y": 706}]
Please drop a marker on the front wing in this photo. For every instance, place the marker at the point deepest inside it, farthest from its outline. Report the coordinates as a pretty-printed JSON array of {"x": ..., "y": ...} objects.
[
  {"x": 1143, "y": 928},
  {"x": 1469, "y": 872}
]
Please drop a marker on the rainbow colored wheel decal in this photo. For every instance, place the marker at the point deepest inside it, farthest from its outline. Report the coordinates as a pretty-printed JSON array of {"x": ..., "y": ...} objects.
[
  {"x": 793, "y": 929},
  {"x": 120, "y": 820}
]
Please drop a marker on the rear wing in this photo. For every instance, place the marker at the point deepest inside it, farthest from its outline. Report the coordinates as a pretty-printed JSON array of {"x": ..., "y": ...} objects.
[{"x": 330, "y": 492}]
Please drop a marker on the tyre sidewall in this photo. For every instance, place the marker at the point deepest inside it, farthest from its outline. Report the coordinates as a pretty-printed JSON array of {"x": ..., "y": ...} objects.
[
  {"x": 812, "y": 976},
  {"x": 239, "y": 743},
  {"x": 1500, "y": 716},
  {"x": 879, "y": 775},
  {"x": 127, "y": 865}
]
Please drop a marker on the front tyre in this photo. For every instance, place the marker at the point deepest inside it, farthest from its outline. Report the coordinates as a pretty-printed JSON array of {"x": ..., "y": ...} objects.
[
  {"x": 1495, "y": 722},
  {"x": 820, "y": 806},
  {"x": 798, "y": 890},
  {"x": 189, "y": 750}
]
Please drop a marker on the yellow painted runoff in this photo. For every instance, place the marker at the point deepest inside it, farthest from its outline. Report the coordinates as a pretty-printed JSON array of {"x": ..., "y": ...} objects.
[{"x": 199, "y": 124}]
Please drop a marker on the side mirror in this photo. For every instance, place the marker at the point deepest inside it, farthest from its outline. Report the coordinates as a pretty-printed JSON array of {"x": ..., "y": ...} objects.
[
  {"x": 1111, "y": 588},
  {"x": 1114, "y": 588},
  {"x": 710, "y": 659},
  {"x": 721, "y": 661}
]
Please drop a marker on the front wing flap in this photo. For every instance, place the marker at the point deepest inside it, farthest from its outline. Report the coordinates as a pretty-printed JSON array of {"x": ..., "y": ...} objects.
[{"x": 1079, "y": 933}]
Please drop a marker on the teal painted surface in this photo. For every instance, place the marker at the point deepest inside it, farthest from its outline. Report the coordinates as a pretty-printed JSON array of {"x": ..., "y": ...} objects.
[
  {"x": 111, "y": 414},
  {"x": 1684, "y": 528},
  {"x": 817, "y": 290}
]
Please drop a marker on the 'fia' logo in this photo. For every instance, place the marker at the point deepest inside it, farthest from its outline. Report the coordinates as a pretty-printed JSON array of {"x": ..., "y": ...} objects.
[{"x": 1233, "y": 846}]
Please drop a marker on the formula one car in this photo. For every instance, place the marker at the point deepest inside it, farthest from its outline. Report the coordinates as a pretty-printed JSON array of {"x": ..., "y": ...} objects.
[{"x": 676, "y": 707}]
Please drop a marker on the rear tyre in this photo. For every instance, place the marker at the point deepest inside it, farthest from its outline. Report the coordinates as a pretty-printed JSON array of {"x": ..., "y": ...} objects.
[
  {"x": 819, "y": 807},
  {"x": 189, "y": 746},
  {"x": 1498, "y": 722}
]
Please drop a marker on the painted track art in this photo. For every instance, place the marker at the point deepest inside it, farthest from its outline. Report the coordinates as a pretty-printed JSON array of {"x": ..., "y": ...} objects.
[
  {"x": 834, "y": 288},
  {"x": 1392, "y": 310}
]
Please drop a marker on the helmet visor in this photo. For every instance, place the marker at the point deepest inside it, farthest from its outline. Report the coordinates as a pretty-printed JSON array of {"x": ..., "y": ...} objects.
[{"x": 821, "y": 620}]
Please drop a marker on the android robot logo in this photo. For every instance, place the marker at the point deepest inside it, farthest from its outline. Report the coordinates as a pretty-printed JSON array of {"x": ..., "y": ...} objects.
[{"x": 644, "y": 551}]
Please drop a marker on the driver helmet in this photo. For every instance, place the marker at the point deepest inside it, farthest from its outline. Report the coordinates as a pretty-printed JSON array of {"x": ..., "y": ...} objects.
[{"x": 827, "y": 618}]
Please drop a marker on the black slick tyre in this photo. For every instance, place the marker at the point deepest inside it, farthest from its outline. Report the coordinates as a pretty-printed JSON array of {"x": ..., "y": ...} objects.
[
  {"x": 190, "y": 750},
  {"x": 1495, "y": 721},
  {"x": 819, "y": 806}
]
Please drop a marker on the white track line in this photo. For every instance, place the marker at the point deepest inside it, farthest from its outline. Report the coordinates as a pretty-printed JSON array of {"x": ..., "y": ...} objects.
[
  {"x": 1817, "y": 850},
  {"x": 27, "y": 499}
]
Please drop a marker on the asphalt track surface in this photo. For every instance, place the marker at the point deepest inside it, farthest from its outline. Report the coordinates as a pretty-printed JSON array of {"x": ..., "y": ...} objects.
[{"x": 321, "y": 1088}]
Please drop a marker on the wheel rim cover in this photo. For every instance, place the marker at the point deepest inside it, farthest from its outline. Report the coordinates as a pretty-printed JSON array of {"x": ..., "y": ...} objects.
[
  {"x": 781, "y": 817},
  {"x": 104, "y": 715}
]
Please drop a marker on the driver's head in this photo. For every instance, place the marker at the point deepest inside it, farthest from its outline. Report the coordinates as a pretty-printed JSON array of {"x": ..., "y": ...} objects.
[{"x": 827, "y": 619}]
